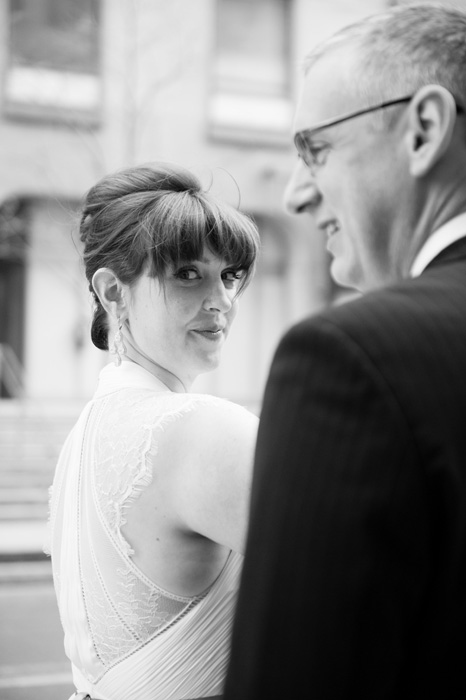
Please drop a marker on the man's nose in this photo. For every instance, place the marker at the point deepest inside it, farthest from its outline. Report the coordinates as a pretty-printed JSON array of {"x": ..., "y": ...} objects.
[{"x": 301, "y": 193}]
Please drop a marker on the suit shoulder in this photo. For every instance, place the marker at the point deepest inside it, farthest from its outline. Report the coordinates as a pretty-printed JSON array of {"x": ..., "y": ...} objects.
[{"x": 425, "y": 307}]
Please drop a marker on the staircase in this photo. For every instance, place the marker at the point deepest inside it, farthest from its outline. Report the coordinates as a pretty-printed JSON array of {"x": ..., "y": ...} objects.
[{"x": 31, "y": 436}]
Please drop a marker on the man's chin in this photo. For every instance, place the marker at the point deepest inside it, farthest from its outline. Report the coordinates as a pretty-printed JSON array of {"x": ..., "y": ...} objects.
[{"x": 345, "y": 278}]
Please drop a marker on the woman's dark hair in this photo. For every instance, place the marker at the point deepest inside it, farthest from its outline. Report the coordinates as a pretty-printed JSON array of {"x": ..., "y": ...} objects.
[{"x": 143, "y": 219}]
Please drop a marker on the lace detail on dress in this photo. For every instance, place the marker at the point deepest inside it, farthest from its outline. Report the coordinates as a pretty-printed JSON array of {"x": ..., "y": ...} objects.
[
  {"x": 126, "y": 448},
  {"x": 124, "y": 608},
  {"x": 123, "y": 465}
]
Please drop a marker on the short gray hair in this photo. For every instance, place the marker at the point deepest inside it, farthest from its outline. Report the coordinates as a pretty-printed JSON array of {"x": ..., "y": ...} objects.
[{"x": 403, "y": 49}]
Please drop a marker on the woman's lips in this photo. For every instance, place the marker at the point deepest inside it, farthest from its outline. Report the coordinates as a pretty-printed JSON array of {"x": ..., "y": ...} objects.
[{"x": 210, "y": 333}]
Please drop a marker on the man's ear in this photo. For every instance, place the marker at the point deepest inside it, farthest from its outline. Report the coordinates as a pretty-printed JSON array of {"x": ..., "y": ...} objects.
[
  {"x": 110, "y": 291},
  {"x": 432, "y": 118}
]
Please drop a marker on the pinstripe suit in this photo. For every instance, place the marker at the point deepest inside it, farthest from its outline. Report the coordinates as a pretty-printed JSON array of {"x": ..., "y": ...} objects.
[{"x": 354, "y": 582}]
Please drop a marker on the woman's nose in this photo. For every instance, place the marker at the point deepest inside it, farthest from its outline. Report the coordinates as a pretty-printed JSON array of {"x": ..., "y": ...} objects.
[
  {"x": 219, "y": 298},
  {"x": 301, "y": 193}
]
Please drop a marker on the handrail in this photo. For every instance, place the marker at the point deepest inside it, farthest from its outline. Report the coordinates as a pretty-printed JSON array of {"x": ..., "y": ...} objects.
[{"x": 11, "y": 372}]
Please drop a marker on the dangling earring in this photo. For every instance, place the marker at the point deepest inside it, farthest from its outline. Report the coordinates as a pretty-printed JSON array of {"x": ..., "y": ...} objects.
[{"x": 118, "y": 347}]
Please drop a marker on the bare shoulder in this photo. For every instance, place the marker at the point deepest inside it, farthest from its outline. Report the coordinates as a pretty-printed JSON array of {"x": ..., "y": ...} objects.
[
  {"x": 210, "y": 423},
  {"x": 220, "y": 419},
  {"x": 211, "y": 469}
]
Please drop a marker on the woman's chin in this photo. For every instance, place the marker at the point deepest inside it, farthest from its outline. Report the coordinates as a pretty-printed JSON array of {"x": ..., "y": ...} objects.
[{"x": 210, "y": 362}]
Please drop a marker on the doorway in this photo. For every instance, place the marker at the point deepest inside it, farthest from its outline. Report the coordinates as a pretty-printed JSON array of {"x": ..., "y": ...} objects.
[{"x": 13, "y": 227}]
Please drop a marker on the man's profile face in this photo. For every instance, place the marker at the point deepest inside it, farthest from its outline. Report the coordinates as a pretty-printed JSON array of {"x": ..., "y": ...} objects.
[{"x": 358, "y": 168}]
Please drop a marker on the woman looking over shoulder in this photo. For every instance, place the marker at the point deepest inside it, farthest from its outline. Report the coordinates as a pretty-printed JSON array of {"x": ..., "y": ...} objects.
[{"x": 150, "y": 497}]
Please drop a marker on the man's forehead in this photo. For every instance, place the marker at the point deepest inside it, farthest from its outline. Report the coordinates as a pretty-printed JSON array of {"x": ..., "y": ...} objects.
[{"x": 328, "y": 90}]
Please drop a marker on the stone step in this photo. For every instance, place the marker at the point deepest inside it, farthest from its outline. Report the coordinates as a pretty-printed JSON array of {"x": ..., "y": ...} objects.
[
  {"x": 33, "y": 432},
  {"x": 22, "y": 452},
  {"x": 42, "y": 439},
  {"x": 23, "y": 540},
  {"x": 25, "y": 571},
  {"x": 28, "y": 424},
  {"x": 27, "y": 467},
  {"x": 26, "y": 479},
  {"x": 23, "y": 511},
  {"x": 28, "y": 494},
  {"x": 31, "y": 436},
  {"x": 22, "y": 447},
  {"x": 22, "y": 496},
  {"x": 41, "y": 407}
]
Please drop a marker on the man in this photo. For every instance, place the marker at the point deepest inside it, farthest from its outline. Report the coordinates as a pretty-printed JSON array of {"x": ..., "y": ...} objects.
[{"x": 354, "y": 581}]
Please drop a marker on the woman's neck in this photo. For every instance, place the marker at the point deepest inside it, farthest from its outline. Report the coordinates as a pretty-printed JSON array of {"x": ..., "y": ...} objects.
[{"x": 139, "y": 357}]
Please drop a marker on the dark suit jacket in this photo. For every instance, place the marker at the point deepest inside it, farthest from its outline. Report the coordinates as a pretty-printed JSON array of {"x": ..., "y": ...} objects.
[{"x": 354, "y": 582}]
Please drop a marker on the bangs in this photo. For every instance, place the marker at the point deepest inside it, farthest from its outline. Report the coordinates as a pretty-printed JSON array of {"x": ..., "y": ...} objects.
[{"x": 185, "y": 223}]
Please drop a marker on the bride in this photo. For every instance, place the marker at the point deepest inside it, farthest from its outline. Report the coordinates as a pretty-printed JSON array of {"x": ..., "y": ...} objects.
[{"x": 150, "y": 497}]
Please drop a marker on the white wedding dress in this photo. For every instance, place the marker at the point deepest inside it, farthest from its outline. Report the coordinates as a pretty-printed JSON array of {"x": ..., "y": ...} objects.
[{"x": 128, "y": 639}]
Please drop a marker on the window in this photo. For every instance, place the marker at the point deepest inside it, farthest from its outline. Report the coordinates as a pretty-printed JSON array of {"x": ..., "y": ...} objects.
[
  {"x": 251, "y": 75},
  {"x": 53, "y": 66}
]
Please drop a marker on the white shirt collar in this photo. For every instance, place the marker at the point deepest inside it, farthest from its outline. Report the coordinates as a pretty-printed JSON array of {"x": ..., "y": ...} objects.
[{"x": 444, "y": 236}]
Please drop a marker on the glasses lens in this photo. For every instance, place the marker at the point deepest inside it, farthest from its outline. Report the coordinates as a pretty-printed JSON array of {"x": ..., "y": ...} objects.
[{"x": 303, "y": 148}]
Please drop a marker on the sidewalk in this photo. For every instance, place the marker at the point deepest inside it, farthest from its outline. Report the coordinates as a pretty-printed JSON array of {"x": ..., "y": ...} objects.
[{"x": 22, "y": 558}]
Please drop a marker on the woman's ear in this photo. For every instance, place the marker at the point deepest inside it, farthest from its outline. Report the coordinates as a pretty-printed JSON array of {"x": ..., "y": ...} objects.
[
  {"x": 110, "y": 291},
  {"x": 432, "y": 118}
]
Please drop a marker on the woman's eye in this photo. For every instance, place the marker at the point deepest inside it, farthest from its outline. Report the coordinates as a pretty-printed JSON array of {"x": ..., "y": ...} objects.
[
  {"x": 187, "y": 273},
  {"x": 232, "y": 275}
]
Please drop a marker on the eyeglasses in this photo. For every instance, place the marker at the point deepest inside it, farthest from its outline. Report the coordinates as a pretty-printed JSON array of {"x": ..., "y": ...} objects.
[{"x": 310, "y": 155}]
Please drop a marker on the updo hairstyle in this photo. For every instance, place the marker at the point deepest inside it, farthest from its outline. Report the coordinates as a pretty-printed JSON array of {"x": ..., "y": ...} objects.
[{"x": 146, "y": 218}]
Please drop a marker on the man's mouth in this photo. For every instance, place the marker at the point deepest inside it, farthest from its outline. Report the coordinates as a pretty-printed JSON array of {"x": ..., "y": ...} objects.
[{"x": 330, "y": 228}]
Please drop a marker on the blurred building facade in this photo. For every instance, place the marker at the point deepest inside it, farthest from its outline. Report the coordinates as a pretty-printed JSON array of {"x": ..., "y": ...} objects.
[{"x": 90, "y": 86}]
